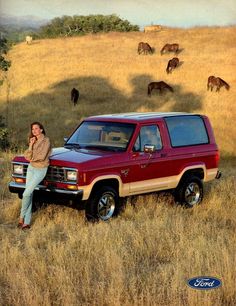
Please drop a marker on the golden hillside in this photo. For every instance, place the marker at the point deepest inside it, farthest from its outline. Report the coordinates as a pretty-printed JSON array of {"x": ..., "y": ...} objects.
[
  {"x": 146, "y": 255},
  {"x": 112, "y": 77}
]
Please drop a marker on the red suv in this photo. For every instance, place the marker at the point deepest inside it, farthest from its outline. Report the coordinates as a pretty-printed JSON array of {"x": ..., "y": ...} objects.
[{"x": 110, "y": 157}]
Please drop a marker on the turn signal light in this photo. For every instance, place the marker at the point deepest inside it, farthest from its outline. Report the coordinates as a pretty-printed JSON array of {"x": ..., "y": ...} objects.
[
  {"x": 72, "y": 187},
  {"x": 19, "y": 180}
]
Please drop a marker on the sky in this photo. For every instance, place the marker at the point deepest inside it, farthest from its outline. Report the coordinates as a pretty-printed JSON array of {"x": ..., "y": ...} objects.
[{"x": 176, "y": 13}]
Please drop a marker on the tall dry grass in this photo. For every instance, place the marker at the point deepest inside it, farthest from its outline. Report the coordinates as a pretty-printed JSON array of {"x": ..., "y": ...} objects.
[{"x": 145, "y": 256}]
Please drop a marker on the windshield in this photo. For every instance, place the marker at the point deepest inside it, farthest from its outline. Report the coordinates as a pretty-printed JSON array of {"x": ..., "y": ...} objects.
[{"x": 110, "y": 136}]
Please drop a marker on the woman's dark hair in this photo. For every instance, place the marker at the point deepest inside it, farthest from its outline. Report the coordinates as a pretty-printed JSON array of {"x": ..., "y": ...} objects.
[{"x": 40, "y": 126}]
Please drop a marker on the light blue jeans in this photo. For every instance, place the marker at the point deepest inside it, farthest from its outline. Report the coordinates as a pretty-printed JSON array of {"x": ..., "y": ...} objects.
[{"x": 33, "y": 177}]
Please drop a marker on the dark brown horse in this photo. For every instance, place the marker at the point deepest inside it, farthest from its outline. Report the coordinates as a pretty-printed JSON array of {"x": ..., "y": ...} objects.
[
  {"x": 170, "y": 48},
  {"x": 158, "y": 85},
  {"x": 172, "y": 64},
  {"x": 216, "y": 82},
  {"x": 74, "y": 96},
  {"x": 144, "y": 48}
]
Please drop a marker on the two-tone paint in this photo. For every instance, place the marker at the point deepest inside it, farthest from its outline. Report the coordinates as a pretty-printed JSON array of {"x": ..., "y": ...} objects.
[{"x": 134, "y": 172}]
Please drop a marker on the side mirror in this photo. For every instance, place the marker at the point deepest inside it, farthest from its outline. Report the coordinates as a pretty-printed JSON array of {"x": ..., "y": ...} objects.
[
  {"x": 149, "y": 148},
  {"x": 65, "y": 139}
]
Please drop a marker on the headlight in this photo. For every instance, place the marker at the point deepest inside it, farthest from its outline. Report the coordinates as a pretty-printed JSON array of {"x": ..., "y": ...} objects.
[
  {"x": 18, "y": 169},
  {"x": 71, "y": 175}
]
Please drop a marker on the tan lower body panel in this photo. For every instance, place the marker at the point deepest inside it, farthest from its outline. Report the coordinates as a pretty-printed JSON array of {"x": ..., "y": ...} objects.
[{"x": 145, "y": 186}]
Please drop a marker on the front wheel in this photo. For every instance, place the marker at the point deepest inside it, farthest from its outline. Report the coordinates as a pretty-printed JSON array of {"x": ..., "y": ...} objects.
[
  {"x": 102, "y": 205},
  {"x": 190, "y": 191}
]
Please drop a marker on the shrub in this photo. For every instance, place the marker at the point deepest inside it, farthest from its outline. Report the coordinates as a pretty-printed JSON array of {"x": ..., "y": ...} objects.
[
  {"x": 4, "y": 64},
  {"x": 4, "y": 142}
]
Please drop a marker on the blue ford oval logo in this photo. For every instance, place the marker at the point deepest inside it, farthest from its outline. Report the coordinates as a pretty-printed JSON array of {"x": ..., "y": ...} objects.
[{"x": 204, "y": 282}]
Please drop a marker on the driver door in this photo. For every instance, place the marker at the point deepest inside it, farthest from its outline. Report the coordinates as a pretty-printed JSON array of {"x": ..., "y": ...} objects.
[{"x": 148, "y": 168}]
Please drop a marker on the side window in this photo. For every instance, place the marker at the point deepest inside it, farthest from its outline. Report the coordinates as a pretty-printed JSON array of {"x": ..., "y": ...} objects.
[
  {"x": 148, "y": 135},
  {"x": 187, "y": 130}
]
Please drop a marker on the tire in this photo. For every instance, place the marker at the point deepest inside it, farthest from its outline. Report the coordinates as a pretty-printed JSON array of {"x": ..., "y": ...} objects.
[
  {"x": 102, "y": 205},
  {"x": 189, "y": 192}
]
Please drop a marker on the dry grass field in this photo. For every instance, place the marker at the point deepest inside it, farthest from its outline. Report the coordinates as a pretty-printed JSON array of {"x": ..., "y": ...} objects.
[{"x": 146, "y": 255}]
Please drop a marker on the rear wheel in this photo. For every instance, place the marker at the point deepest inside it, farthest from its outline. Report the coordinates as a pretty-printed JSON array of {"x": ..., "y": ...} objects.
[
  {"x": 103, "y": 204},
  {"x": 190, "y": 191}
]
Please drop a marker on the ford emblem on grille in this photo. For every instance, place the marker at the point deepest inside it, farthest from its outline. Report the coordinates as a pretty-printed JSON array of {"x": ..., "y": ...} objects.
[{"x": 204, "y": 282}]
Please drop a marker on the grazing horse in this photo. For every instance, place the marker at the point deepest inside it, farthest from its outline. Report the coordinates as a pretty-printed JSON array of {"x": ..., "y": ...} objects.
[
  {"x": 172, "y": 64},
  {"x": 28, "y": 39},
  {"x": 170, "y": 48},
  {"x": 216, "y": 82},
  {"x": 74, "y": 95},
  {"x": 158, "y": 85},
  {"x": 145, "y": 48},
  {"x": 152, "y": 28}
]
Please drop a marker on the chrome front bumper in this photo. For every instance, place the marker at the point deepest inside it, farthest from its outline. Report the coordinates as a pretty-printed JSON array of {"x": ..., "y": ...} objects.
[{"x": 19, "y": 188}]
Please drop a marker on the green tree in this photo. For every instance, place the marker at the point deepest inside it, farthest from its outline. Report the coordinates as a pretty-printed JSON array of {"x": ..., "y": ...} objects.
[
  {"x": 4, "y": 64},
  {"x": 78, "y": 25}
]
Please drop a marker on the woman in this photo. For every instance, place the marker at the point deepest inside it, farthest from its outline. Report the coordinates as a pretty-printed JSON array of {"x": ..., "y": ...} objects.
[{"x": 38, "y": 155}]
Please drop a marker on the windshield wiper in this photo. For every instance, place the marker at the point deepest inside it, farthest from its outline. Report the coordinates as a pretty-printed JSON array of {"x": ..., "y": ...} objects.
[
  {"x": 73, "y": 145},
  {"x": 103, "y": 148},
  {"x": 91, "y": 147}
]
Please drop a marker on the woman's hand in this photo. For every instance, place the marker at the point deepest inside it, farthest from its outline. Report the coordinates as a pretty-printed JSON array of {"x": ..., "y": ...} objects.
[{"x": 32, "y": 141}]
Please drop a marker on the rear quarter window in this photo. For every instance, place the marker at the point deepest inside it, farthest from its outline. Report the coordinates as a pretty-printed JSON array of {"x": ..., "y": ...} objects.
[{"x": 186, "y": 131}]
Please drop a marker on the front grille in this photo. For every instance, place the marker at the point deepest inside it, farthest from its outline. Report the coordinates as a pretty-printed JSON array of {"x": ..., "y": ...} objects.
[
  {"x": 56, "y": 174},
  {"x": 25, "y": 169}
]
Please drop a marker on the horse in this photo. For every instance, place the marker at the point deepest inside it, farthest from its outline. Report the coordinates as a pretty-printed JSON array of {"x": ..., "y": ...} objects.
[
  {"x": 152, "y": 28},
  {"x": 172, "y": 64},
  {"x": 216, "y": 82},
  {"x": 28, "y": 39},
  {"x": 170, "y": 48},
  {"x": 158, "y": 85},
  {"x": 145, "y": 48},
  {"x": 74, "y": 96}
]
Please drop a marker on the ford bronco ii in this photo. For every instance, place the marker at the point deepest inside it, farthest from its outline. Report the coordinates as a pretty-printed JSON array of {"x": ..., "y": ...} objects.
[{"x": 110, "y": 157}]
